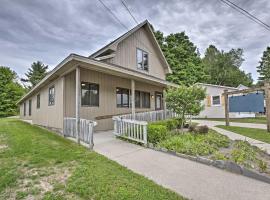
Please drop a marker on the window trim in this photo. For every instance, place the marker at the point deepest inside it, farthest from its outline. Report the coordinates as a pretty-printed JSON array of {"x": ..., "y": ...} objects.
[
  {"x": 24, "y": 109},
  {"x": 38, "y": 101},
  {"x": 161, "y": 100},
  {"x": 88, "y": 89},
  {"x": 212, "y": 104},
  {"x": 143, "y": 51},
  {"x": 49, "y": 96},
  {"x": 128, "y": 104},
  {"x": 30, "y": 107}
]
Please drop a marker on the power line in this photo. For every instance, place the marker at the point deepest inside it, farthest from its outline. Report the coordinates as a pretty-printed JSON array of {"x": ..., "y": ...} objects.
[
  {"x": 246, "y": 13},
  {"x": 115, "y": 17},
  {"x": 125, "y": 5},
  {"x": 119, "y": 21}
]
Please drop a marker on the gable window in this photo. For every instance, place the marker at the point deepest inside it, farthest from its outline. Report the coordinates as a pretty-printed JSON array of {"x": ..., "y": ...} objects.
[
  {"x": 24, "y": 109},
  {"x": 122, "y": 97},
  {"x": 51, "y": 96},
  {"x": 215, "y": 100},
  {"x": 30, "y": 107},
  {"x": 38, "y": 101},
  {"x": 145, "y": 99},
  {"x": 142, "y": 60},
  {"x": 90, "y": 94}
]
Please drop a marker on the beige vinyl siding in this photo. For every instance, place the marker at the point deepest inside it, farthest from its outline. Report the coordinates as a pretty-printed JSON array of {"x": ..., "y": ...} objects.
[
  {"x": 107, "y": 96},
  {"x": 49, "y": 116},
  {"x": 126, "y": 53}
]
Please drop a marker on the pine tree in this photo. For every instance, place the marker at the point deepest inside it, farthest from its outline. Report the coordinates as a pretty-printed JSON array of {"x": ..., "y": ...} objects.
[
  {"x": 264, "y": 68},
  {"x": 35, "y": 73}
]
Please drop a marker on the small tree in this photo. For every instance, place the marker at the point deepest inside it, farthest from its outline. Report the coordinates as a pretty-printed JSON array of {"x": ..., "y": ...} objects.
[
  {"x": 35, "y": 73},
  {"x": 185, "y": 100}
]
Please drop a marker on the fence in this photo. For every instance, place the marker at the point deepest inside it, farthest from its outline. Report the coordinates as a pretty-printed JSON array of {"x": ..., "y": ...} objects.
[
  {"x": 136, "y": 129},
  {"x": 151, "y": 115},
  {"x": 131, "y": 129},
  {"x": 86, "y": 130}
]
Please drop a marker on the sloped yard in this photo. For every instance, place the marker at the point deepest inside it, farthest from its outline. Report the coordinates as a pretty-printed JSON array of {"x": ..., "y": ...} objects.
[{"x": 38, "y": 164}]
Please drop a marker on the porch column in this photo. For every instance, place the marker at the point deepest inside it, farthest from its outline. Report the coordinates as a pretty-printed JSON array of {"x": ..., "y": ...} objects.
[
  {"x": 78, "y": 103},
  {"x": 133, "y": 99},
  {"x": 164, "y": 103}
]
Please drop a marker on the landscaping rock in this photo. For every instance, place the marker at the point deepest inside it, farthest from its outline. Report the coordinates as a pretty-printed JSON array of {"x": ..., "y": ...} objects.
[
  {"x": 219, "y": 163},
  {"x": 150, "y": 145},
  {"x": 233, "y": 167},
  {"x": 164, "y": 149},
  {"x": 255, "y": 175},
  {"x": 204, "y": 160}
]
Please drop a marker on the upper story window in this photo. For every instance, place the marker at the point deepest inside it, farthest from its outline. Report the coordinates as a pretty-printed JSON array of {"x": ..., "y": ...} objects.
[
  {"x": 51, "y": 96},
  {"x": 216, "y": 100},
  {"x": 122, "y": 97},
  {"x": 142, "y": 60},
  {"x": 38, "y": 101},
  {"x": 30, "y": 107},
  {"x": 90, "y": 94}
]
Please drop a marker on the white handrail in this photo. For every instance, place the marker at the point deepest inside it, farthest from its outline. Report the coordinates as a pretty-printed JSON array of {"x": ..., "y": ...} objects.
[
  {"x": 131, "y": 129},
  {"x": 86, "y": 130}
]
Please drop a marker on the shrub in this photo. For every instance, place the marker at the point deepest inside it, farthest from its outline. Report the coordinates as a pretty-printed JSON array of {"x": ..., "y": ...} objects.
[
  {"x": 219, "y": 156},
  {"x": 262, "y": 165},
  {"x": 169, "y": 123},
  {"x": 156, "y": 133},
  {"x": 193, "y": 144},
  {"x": 198, "y": 129},
  {"x": 202, "y": 129}
]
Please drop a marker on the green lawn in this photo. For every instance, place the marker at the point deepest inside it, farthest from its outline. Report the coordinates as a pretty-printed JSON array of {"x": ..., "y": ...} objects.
[
  {"x": 257, "y": 134},
  {"x": 256, "y": 120},
  {"x": 38, "y": 164}
]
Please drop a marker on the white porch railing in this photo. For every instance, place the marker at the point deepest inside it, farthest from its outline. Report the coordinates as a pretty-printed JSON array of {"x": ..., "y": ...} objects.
[
  {"x": 86, "y": 130},
  {"x": 136, "y": 129},
  {"x": 131, "y": 129},
  {"x": 151, "y": 115}
]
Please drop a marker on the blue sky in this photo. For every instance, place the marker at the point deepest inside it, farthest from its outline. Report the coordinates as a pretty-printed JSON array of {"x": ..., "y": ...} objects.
[{"x": 50, "y": 30}]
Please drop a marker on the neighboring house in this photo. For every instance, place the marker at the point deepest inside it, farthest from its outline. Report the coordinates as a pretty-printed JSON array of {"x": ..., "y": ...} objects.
[
  {"x": 101, "y": 85},
  {"x": 214, "y": 102}
]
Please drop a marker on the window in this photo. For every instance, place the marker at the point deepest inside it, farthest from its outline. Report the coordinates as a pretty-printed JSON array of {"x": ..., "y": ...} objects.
[
  {"x": 30, "y": 107},
  {"x": 38, "y": 101},
  {"x": 142, "y": 60},
  {"x": 122, "y": 97},
  {"x": 24, "y": 109},
  {"x": 215, "y": 100},
  {"x": 51, "y": 96},
  {"x": 145, "y": 99},
  {"x": 90, "y": 94},
  {"x": 137, "y": 99}
]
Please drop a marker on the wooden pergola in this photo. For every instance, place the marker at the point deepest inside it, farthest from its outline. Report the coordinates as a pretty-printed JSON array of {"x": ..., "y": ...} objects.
[{"x": 265, "y": 88}]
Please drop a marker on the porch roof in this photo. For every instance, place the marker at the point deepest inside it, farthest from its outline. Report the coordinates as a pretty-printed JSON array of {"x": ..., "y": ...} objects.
[{"x": 73, "y": 60}]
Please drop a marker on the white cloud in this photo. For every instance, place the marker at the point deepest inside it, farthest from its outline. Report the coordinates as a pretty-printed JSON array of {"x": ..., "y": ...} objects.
[{"x": 50, "y": 30}]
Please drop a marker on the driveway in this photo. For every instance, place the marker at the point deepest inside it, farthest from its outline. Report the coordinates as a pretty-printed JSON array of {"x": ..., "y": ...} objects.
[
  {"x": 190, "y": 179},
  {"x": 235, "y": 136}
]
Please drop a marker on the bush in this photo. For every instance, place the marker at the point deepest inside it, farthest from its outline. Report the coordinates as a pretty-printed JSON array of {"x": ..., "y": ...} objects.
[
  {"x": 262, "y": 166},
  {"x": 198, "y": 129},
  {"x": 196, "y": 144},
  {"x": 156, "y": 133},
  {"x": 169, "y": 123}
]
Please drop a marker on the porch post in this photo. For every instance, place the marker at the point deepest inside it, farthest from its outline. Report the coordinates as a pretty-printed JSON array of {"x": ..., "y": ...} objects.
[
  {"x": 78, "y": 103},
  {"x": 164, "y": 103},
  {"x": 227, "y": 116},
  {"x": 267, "y": 103},
  {"x": 133, "y": 99}
]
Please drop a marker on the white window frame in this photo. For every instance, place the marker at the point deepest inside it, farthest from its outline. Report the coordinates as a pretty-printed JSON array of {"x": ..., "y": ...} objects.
[{"x": 212, "y": 100}]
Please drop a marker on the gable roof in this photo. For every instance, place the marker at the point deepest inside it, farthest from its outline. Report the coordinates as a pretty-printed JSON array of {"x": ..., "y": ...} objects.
[
  {"x": 112, "y": 46},
  {"x": 219, "y": 86}
]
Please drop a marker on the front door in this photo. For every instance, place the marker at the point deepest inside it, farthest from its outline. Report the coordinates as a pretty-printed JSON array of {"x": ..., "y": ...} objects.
[{"x": 158, "y": 101}]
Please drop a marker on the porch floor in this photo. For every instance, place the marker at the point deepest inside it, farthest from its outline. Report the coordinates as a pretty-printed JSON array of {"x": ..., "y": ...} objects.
[{"x": 191, "y": 179}]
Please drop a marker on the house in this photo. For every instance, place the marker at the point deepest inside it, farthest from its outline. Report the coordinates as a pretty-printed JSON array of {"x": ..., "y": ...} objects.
[
  {"x": 125, "y": 76},
  {"x": 214, "y": 106}
]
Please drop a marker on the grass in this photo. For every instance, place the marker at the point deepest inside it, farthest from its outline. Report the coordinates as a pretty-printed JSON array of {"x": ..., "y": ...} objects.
[
  {"x": 257, "y": 134},
  {"x": 256, "y": 120},
  {"x": 38, "y": 164}
]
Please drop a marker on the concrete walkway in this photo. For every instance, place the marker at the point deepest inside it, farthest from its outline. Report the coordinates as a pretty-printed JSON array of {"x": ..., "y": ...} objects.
[
  {"x": 235, "y": 136},
  {"x": 190, "y": 179}
]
